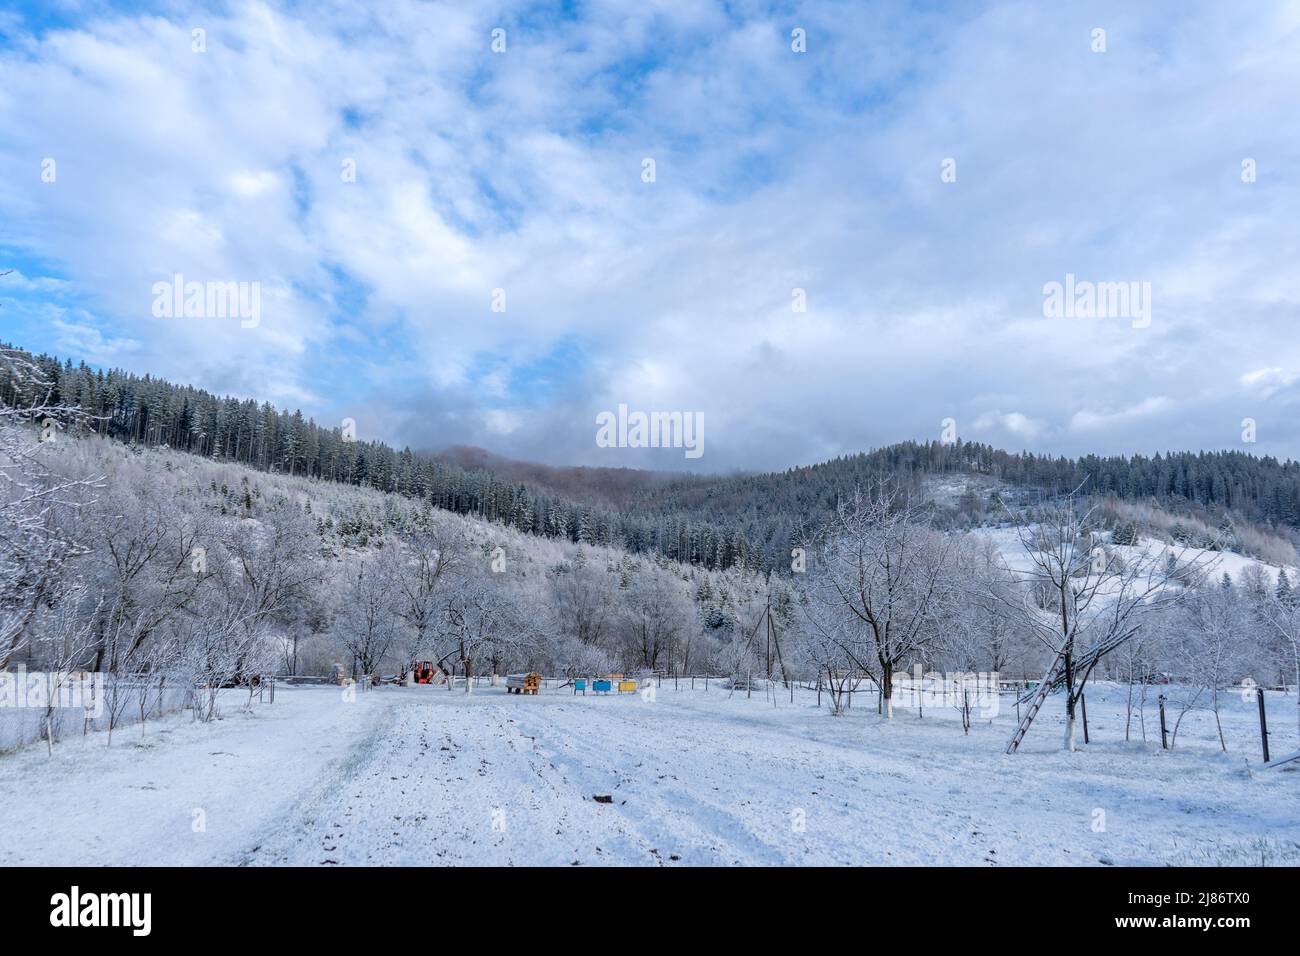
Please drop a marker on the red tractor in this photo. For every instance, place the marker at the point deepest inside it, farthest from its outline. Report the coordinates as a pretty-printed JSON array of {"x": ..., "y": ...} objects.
[{"x": 424, "y": 672}]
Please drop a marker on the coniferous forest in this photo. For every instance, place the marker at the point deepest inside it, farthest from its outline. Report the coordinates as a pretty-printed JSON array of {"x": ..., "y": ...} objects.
[{"x": 749, "y": 521}]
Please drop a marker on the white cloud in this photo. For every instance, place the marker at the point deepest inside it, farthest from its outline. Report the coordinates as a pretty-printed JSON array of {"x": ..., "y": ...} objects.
[
  {"x": 522, "y": 172},
  {"x": 1091, "y": 420},
  {"x": 1012, "y": 423},
  {"x": 1268, "y": 381}
]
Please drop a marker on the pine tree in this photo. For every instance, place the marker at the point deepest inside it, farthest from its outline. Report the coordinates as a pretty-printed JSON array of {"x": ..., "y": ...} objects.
[{"x": 1284, "y": 594}]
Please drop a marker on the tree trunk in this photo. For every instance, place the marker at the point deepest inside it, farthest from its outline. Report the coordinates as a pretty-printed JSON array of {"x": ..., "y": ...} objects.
[
  {"x": 1217, "y": 722},
  {"x": 887, "y": 687},
  {"x": 1128, "y": 707},
  {"x": 1297, "y": 687}
]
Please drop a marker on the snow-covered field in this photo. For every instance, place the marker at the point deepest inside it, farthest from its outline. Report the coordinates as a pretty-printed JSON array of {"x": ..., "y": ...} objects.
[
  {"x": 424, "y": 776},
  {"x": 1212, "y": 563}
]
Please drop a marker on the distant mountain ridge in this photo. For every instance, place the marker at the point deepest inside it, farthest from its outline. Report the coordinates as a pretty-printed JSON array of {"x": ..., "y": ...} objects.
[
  {"x": 751, "y": 520},
  {"x": 612, "y": 486}
]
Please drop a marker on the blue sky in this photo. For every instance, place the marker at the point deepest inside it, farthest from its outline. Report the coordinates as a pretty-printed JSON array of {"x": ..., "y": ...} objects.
[{"x": 521, "y": 171}]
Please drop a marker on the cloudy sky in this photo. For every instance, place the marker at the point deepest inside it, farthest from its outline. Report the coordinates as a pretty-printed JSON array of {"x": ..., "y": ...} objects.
[{"x": 524, "y": 170}]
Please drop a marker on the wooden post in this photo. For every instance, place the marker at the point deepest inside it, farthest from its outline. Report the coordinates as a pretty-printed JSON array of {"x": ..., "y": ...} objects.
[
  {"x": 1083, "y": 706},
  {"x": 1263, "y": 722},
  {"x": 1164, "y": 737}
]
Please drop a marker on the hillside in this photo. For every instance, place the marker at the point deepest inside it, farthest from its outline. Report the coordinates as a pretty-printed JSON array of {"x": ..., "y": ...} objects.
[
  {"x": 162, "y": 539},
  {"x": 617, "y": 487},
  {"x": 750, "y": 521}
]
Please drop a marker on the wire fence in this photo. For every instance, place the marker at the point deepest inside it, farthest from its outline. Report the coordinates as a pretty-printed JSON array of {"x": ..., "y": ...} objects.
[{"x": 38, "y": 707}]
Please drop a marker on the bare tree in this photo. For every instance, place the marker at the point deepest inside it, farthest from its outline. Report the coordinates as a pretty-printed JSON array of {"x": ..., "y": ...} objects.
[
  {"x": 826, "y": 644},
  {"x": 35, "y": 550},
  {"x": 581, "y": 599},
  {"x": 886, "y": 571},
  {"x": 270, "y": 565},
  {"x": 61, "y": 644},
  {"x": 422, "y": 567},
  {"x": 155, "y": 565},
  {"x": 215, "y": 644},
  {"x": 1281, "y": 613},
  {"x": 1212, "y": 646},
  {"x": 482, "y": 620},
  {"x": 366, "y": 625},
  {"x": 654, "y": 615},
  {"x": 983, "y": 632},
  {"x": 1083, "y": 601}
]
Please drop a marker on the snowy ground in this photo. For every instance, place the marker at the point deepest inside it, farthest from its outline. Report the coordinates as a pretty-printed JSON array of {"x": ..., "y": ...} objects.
[{"x": 421, "y": 775}]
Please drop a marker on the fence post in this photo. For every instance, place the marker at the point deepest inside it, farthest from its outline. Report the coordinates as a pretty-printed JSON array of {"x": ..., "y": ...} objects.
[
  {"x": 1263, "y": 722},
  {"x": 1164, "y": 738},
  {"x": 1083, "y": 705}
]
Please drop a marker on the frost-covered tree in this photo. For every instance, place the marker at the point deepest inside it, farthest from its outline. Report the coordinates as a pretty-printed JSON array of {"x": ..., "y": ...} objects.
[
  {"x": 983, "y": 632},
  {"x": 655, "y": 616},
  {"x": 887, "y": 574},
  {"x": 36, "y": 547},
  {"x": 366, "y": 624},
  {"x": 1212, "y": 647},
  {"x": 1081, "y": 603},
  {"x": 423, "y": 565},
  {"x": 582, "y": 600},
  {"x": 483, "y": 621},
  {"x": 826, "y": 645},
  {"x": 1280, "y": 614}
]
